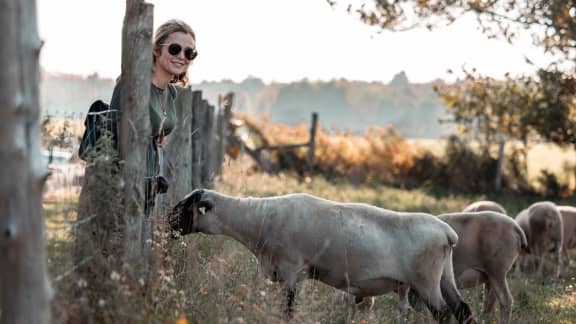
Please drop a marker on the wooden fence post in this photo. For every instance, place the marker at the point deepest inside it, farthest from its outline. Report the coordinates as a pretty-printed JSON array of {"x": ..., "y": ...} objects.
[
  {"x": 220, "y": 140},
  {"x": 135, "y": 124},
  {"x": 197, "y": 120},
  {"x": 178, "y": 168},
  {"x": 24, "y": 293},
  {"x": 209, "y": 156},
  {"x": 312, "y": 143}
]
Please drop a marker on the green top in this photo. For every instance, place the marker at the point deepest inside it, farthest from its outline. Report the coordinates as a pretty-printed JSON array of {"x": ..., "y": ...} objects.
[
  {"x": 162, "y": 120},
  {"x": 162, "y": 110}
]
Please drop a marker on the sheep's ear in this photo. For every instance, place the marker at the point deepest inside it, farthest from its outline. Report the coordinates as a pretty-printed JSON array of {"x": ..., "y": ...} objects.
[
  {"x": 204, "y": 206},
  {"x": 195, "y": 196}
]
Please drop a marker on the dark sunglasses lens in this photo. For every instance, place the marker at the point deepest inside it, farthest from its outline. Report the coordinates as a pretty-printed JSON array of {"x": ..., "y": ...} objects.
[
  {"x": 174, "y": 49},
  {"x": 190, "y": 53}
]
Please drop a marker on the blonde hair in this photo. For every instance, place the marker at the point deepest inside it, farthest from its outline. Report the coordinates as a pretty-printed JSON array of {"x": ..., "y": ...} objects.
[{"x": 162, "y": 32}]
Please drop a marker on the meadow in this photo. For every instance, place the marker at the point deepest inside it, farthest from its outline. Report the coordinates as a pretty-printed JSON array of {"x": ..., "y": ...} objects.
[{"x": 210, "y": 279}]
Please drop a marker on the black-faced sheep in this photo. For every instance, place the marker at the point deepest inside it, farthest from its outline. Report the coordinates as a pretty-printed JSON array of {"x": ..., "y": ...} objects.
[{"x": 360, "y": 249}]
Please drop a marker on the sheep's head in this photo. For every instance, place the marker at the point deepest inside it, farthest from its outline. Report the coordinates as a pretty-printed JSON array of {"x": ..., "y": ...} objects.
[
  {"x": 546, "y": 223},
  {"x": 184, "y": 217}
]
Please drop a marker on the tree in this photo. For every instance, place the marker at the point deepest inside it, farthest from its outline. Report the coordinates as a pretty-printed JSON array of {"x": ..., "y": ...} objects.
[
  {"x": 551, "y": 22},
  {"x": 543, "y": 104},
  {"x": 24, "y": 292}
]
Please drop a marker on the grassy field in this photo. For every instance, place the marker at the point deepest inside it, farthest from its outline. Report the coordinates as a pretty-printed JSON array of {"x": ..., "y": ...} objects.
[{"x": 216, "y": 280}]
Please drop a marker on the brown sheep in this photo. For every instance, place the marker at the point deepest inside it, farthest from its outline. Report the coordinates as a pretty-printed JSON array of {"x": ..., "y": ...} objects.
[
  {"x": 485, "y": 205},
  {"x": 489, "y": 244},
  {"x": 568, "y": 214},
  {"x": 542, "y": 225}
]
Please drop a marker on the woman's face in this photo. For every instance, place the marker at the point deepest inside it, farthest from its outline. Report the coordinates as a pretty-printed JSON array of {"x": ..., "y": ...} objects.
[{"x": 178, "y": 63}]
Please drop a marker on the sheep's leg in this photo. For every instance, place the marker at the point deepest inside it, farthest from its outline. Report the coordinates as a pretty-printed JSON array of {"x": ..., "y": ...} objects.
[
  {"x": 518, "y": 264},
  {"x": 541, "y": 266},
  {"x": 489, "y": 298},
  {"x": 500, "y": 289},
  {"x": 558, "y": 259},
  {"x": 433, "y": 299},
  {"x": 451, "y": 295},
  {"x": 415, "y": 300},
  {"x": 565, "y": 258},
  {"x": 290, "y": 296},
  {"x": 403, "y": 304}
]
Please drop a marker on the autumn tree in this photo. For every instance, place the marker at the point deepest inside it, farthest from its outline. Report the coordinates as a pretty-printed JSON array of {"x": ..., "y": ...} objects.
[
  {"x": 551, "y": 22},
  {"x": 541, "y": 105},
  {"x": 518, "y": 109}
]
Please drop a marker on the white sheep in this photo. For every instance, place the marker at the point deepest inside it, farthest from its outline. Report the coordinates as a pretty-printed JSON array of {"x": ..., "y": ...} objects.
[
  {"x": 489, "y": 243},
  {"x": 542, "y": 224},
  {"x": 360, "y": 249},
  {"x": 485, "y": 205},
  {"x": 568, "y": 214}
]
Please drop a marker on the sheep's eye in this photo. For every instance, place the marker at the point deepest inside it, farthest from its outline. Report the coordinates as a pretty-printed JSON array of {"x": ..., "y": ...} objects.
[{"x": 202, "y": 210}]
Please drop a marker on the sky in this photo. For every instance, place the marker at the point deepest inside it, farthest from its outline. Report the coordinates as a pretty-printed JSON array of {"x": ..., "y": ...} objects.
[{"x": 278, "y": 41}]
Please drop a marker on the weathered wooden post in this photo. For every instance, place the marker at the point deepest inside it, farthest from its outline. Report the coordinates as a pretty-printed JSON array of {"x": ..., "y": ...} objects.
[
  {"x": 220, "y": 139},
  {"x": 179, "y": 149},
  {"x": 24, "y": 292},
  {"x": 208, "y": 146},
  {"x": 135, "y": 124},
  {"x": 312, "y": 143},
  {"x": 197, "y": 154}
]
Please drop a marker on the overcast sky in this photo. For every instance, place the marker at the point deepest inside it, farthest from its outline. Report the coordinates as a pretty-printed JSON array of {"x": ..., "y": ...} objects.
[{"x": 276, "y": 40}]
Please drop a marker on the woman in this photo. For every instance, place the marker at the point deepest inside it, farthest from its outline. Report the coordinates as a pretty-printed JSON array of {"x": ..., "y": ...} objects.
[{"x": 174, "y": 49}]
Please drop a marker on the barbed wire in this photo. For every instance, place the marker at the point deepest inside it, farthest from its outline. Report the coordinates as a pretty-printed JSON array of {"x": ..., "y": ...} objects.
[
  {"x": 69, "y": 271},
  {"x": 71, "y": 226}
]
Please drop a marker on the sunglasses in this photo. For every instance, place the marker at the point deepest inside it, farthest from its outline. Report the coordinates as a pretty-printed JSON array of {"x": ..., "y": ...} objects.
[{"x": 174, "y": 49}]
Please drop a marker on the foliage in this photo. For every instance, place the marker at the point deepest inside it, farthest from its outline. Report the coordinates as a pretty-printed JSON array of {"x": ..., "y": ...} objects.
[
  {"x": 514, "y": 108},
  {"x": 552, "y": 22},
  {"x": 60, "y": 132},
  {"x": 550, "y": 185},
  {"x": 380, "y": 155}
]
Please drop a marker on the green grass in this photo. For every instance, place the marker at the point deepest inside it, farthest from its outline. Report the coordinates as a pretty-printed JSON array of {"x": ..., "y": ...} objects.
[{"x": 216, "y": 280}]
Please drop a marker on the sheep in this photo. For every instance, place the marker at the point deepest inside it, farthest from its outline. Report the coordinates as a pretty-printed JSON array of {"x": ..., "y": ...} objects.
[
  {"x": 542, "y": 225},
  {"x": 360, "y": 249},
  {"x": 489, "y": 243},
  {"x": 485, "y": 205},
  {"x": 568, "y": 214}
]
